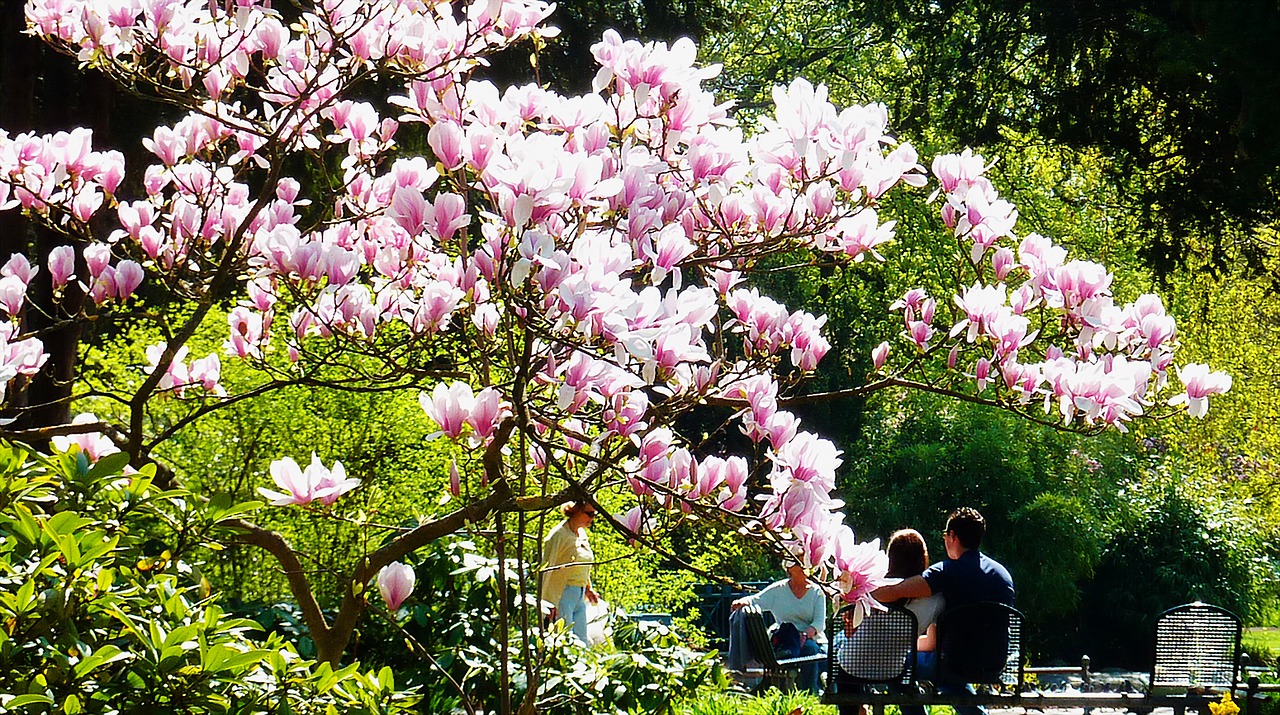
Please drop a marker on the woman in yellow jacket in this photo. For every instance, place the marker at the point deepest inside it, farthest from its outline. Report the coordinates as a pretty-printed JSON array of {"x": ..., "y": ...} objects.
[{"x": 566, "y": 569}]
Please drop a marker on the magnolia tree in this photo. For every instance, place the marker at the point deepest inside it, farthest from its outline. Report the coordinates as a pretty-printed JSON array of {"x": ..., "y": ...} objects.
[{"x": 562, "y": 276}]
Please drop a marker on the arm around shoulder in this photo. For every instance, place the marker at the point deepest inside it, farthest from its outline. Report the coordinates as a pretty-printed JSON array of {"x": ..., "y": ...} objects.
[{"x": 914, "y": 587}]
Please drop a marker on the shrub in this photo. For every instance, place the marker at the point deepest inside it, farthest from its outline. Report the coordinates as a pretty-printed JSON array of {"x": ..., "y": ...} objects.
[
  {"x": 102, "y": 612},
  {"x": 448, "y": 643}
]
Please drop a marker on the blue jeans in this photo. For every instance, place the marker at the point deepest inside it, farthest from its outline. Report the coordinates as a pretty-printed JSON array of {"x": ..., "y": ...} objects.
[
  {"x": 926, "y": 669},
  {"x": 572, "y": 609}
]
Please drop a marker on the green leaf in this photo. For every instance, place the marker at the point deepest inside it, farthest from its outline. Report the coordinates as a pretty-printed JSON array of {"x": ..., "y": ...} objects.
[
  {"x": 105, "y": 655},
  {"x": 64, "y": 522},
  {"x": 225, "y": 657},
  {"x": 111, "y": 464},
  {"x": 98, "y": 545},
  {"x": 29, "y": 699},
  {"x": 25, "y": 598},
  {"x": 71, "y": 706},
  {"x": 26, "y": 526}
]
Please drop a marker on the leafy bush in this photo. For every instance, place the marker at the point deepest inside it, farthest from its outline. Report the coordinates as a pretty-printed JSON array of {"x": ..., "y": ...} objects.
[
  {"x": 770, "y": 702},
  {"x": 1169, "y": 544},
  {"x": 102, "y": 612},
  {"x": 449, "y": 643}
]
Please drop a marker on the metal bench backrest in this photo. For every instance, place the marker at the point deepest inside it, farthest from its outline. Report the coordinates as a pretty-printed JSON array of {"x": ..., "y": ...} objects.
[
  {"x": 881, "y": 650},
  {"x": 1197, "y": 645},
  {"x": 980, "y": 643},
  {"x": 758, "y": 635},
  {"x": 714, "y": 605}
]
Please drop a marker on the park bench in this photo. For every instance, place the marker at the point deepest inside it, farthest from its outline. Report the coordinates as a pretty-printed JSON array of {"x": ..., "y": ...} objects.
[
  {"x": 1196, "y": 658},
  {"x": 777, "y": 672},
  {"x": 713, "y": 603}
]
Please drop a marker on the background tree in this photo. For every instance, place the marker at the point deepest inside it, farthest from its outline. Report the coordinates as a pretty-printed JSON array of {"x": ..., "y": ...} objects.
[{"x": 1179, "y": 96}]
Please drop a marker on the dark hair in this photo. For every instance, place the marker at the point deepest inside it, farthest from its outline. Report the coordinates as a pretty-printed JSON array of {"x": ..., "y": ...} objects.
[
  {"x": 908, "y": 555},
  {"x": 571, "y": 508},
  {"x": 968, "y": 526}
]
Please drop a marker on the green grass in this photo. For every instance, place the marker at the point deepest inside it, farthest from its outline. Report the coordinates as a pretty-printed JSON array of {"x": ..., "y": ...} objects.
[
  {"x": 1263, "y": 642},
  {"x": 770, "y": 702}
]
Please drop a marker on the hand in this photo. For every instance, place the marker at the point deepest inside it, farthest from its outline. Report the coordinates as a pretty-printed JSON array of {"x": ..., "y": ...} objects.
[
  {"x": 553, "y": 615},
  {"x": 738, "y": 604},
  {"x": 592, "y": 597}
]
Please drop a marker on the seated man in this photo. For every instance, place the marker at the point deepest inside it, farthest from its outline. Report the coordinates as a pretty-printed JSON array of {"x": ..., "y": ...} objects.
[{"x": 966, "y": 576}]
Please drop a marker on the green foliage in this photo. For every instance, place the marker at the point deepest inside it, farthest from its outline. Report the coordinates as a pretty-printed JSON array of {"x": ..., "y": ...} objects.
[
  {"x": 1169, "y": 544},
  {"x": 380, "y": 437},
  {"x": 927, "y": 456},
  {"x": 451, "y": 642},
  {"x": 93, "y": 620},
  {"x": 1263, "y": 646},
  {"x": 770, "y": 702},
  {"x": 1177, "y": 96},
  {"x": 643, "y": 669}
]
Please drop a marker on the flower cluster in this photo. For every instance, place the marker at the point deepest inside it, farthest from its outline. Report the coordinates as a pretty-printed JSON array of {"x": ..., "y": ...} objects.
[{"x": 1093, "y": 360}]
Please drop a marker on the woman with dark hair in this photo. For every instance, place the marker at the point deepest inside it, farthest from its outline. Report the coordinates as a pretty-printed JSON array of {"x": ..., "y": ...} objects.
[
  {"x": 566, "y": 568},
  {"x": 908, "y": 556}
]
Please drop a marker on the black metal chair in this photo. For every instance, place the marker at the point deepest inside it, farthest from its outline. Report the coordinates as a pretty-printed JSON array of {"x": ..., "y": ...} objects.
[
  {"x": 881, "y": 651},
  {"x": 779, "y": 672},
  {"x": 980, "y": 643},
  {"x": 1197, "y": 646}
]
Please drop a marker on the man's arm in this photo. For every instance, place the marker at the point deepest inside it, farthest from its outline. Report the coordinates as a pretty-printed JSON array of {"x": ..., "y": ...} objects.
[{"x": 914, "y": 587}]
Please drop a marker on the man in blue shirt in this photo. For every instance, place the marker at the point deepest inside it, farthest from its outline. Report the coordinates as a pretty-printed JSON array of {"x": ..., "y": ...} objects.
[{"x": 967, "y": 576}]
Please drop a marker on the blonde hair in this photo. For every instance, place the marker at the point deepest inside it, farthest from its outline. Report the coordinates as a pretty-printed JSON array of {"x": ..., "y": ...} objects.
[{"x": 570, "y": 508}]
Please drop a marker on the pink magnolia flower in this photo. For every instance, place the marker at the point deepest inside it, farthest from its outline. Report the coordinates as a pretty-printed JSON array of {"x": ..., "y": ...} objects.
[
  {"x": 449, "y": 406},
  {"x": 395, "y": 583},
  {"x": 635, "y": 522},
  {"x": 13, "y": 294},
  {"x": 860, "y": 568},
  {"x": 62, "y": 265},
  {"x": 448, "y": 142},
  {"x": 206, "y": 372},
  {"x": 315, "y": 483},
  {"x": 920, "y": 333},
  {"x": 486, "y": 413},
  {"x": 176, "y": 376},
  {"x": 958, "y": 171},
  {"x": 879, "y": 355},
  {"x": 981, "y": 372},
  {"x": 128, "y": 276},
  {"x": 455, "y": 479},
  {"x": 94, "y": 445},
  {"x": 981, "y": 304},
  {"x": 1200, "y": 384},
  {"x": 1002, "y": 262},
  {"x": 98, "y": 257},
  {"x": 19, "y": 267}
]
